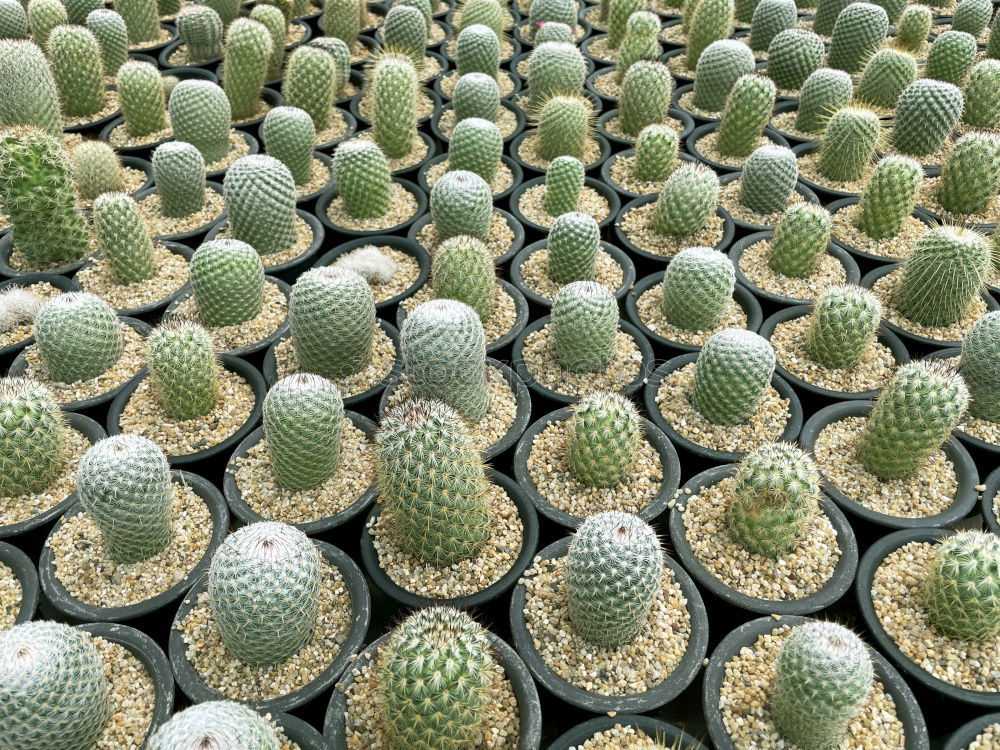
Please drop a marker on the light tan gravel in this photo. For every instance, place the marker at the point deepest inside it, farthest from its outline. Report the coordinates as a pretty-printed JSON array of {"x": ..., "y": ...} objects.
[
  {"x": 988, "y": 739},
  {"x": 622, "y": 176},
  {"x": 929, "y": 199},
  {"x": 784, "y": 122},
  {"x": 613, "y": 126},
  {"x": 179, "y": 58},
  {"x": 163, "y": 38},
  {"x": 320, "y": 175},
  {"x": 402, "y": 207},
  {"x": 171, "y": 274},
  {"x": 378, "y": 369},
  {"x": 120, "y": 136},
  {"x": 844, "y": 228},
  {"x": 226, "y": 338},
  {"x": 527, "y": 152},
  {"x": 599, "y": 50},
  {"x": 729, "y": 197},
  {"x": 159, "y": 225},
  {"x": 499, "y": 242},
  {"x": 238, "y": 148},
  {"x": 16, "y": 509},
  {"x": 506, "y": 120},
  {"x": 637, "y": 224},
  {"x": 621, "y": 738},
  {"x": 132, "y": 694},
  {"x": 607, "y": 84},
  {"x": 650, "y": 310},
  {"x": 132, "y": 181},
  {"x": 505, "y": 82},
  {"x": 707, "y": 146},
  {"x": 337, "y": 128},
  {"x": 535, "y": 273},
  {"x": 809, "y": 168},
  {"x": 686, "y": 102},
  {"x": 10, "y": 597},
  {"x": 884, "y": 289},
  {"x": 755, "y": 265},
  {"x": 20, "y": 262},
  {"x": 406, "y": 274},
  {"x": 532, "y": 205},
  {"x": 503, "y": 178},
  {"x": 261, "y": 109},
  {"x": 20, "y": 332},
  {"x": 416, "y": 154},
  {"x": 544, "y": 370},
  {"x": 109, "y": 108},
  {"x": 501, "y": 322},
  {"x": 677, "y": 63}
]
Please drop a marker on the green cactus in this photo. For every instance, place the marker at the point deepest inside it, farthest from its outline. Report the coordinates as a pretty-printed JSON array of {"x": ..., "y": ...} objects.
[
  {"x": 222, "y": 724},
  {"x": 913, "y": 416},
  {"x": 970, "y": 176},
  {"x": 619, "y": 13},
  {"x": 564, "y": 181},
  {"x": 745, "y": 115},
  {"x": 394, "y": 88},
  {"x": 771, "y": 17},
  {"x": 733, "y": 369},
  {"x": 560, "y": 11},
  {"x": 768, "y": 179},
  {"x": 260, "y": 200},
  {"x": 424, "y": 6},
  {"x": 332, "y": 316},
  {"x": 272, "y": 19},
  {"x": 926, "y": 114},
  {"x": 893, "y": 8},
  {"x": 142, "y": 19},
  {"x": 848, "y": 145},
  {"x": 201, "y": 30},
  {"x": 564, "y": 125},
  {"x": 289, "y": 136},
  {"x": 656, "y": 150},
  {"x": 721, "y": 64},
  {"x": 124, "y": 484},
  {"x": 244, "y": 66},
  {"x": 169, "y": 82},
  {"x": 794, "y": 55},
  {"x": 889, "y": 197},
  {"x": 228, "y": 10},
  {"x": 687, "y": 201},
  {"x": 972, "y": 16},
  {"x": 697, "y": 289},
  {"x": 614, "y": 569},
  {"x": 227, "y": 281},
  {"x": 43, "y": 16},
  {"x": 476, "y": 95},
  {"x": 978, "y": 366},
  {"x": 179, "y": 173},
  {"x": 886, "y": 74},
  {"x": 827, "y": 12},
  {"x": 993, "y": 42},
  {"x": 824, "y": 92},
  {"x": 584, "y": 327},
  {"x": 96, "y": 169},
  {"x": 477, "y": 50},
  {"x": 463, "y": 270},
  {"x": 555, "y": 68},
  {"x": 951, "y": 57},
  {"x": 645, "y": 97},
  {"x": 405, "y": 30},
  {"x": 461, "y": 203},
  {"x": 32, "y": 437},
  {"x": 982, "y": 96},
  {"x": 79, "y": 337},
  {"x": 860, "y": 30},
  {"x": 53, "y": 688},
  {"x": 744, "y": 10},
  {"x": 843, "y": 325},
  {"x": 342, "y": 19},
  {"x": 476, "y": 146},
  {"x": 75, "y": 58},
  {"x": 800, "y": 240},
  {"x": 141, "y": 97},
  {"x": 602, "y": 438},
  {"x": 823, "y": 676},
  {"x": 13, "y": 20},
  {"x": 77, "y": 10},
  {"x": 552, "y": 31},
  {"x": 961, "y": 588},
  {"x": 913, "y": 26},
  {"x": 200, "y": 114},
  {"x": 641, "y": 42},
  {"x": 183, "y": 370},
  {"x": 341, "y": 54},
  {"x": 124, "y": 239},
  {"x": 711, "y": 20},
  {"x": 573, "y": 243},
  {"x": 435, "y": 672},
  {"x": 485, "y": 12},
  {"x": 363, "y": 178},
  {"x": 264, "y": 588}
]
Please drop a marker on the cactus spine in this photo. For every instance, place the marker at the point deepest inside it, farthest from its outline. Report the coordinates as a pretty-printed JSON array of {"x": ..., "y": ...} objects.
[
  {"x": 28, "y": 93},
  {"x": 824, "y": 92},
  {"x": 363, "y": 178},
  {"x": 842, "y": 326},
  {"x": 584, "y": 327},
  {"x": 260, "y": 198},
  {"x": 179, "y": 172},
  {"x": 124, "y": 238},
  {"x": 221, "y": 724},
  {"x": 463, "y": 270}
]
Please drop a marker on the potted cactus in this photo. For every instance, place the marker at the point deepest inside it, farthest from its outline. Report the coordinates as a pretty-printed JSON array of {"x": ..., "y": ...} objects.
[
  {"x": 21, "y": 298},
  {"x": 200, "y": 32},
  {"x": 537, "y": 203},
  {"x": 965, "y": 192},
  {"x": 289, "y": 135},
  {"x": 645, "y": 98},
  {"x": 394, "y": 267},
  {"x": 227, "y": 723},
  {"x": 475, "y": 145},
  {"x": 74, "y": 55},
  {"x": 144, "y": 123},
  {"x": 840, "y": 163},
  {"x": 98, "y": 169},
  {"x": 562, "y": 129},
  {"x": 642, "y": 170},
  {"x": 316, "y": 78},
  {"x": 18, "y": 587},
  {"x": 822, "y": 92},
  {"x": 757, "y": 196},
  {"x": 478, "y": 49}
]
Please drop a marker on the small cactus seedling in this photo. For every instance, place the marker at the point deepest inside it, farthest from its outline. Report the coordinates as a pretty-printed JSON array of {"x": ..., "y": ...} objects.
[
  {"x": 183, "y": 370},
  {"x": 602, "y": 438},
  {"x": 200, "y": 114},
  {"x": 125, "y": 242},
  {"x": 978, "y": 366},
  {"x": 260, "y": 200},
  {"x": 768, "y": 179},
  {"x": 732, "y": 372},
  {"x": 719, "y": 67},
  {"x": 584, "y": 327},
  {"x": 794, "y": 55},
  {"x": 697, "y": 288},
  {"x": 889, "y": 197},
  {"x": 461, "y": 203},
  {"x": 32, "y": 437},
  {"x": 96, "y": 169},
  {"x": 970, "y": 175},
  {"x": 564, "y": 181},
  {"x": 79, "y": 337},
  {"x": 824, "y": 92},
  {"x": 463, "y": 270},
  {"x": 216, "y": 724},
  {"x": 842, "y": 326},
  {"x": 926, "y": 114},
  {"x": 962, "y": 590},
  {"x": 746, "y": 114},
  {"x": 363, "y": 179},
  {"x": 573, "y": 243},
  {"x": 227, "y": 278},
  {"x": 688, "y": 200}
]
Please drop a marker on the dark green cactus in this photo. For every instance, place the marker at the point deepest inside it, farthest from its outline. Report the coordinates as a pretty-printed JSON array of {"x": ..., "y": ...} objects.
[
  {"x": 886, "y": 74},
  {"x": 859, "y": 31},
  {"x": 645, "y": 96},
  {"x": 656, "y": 151},
  {"x": 771, "y": 17},
  {"x": 747, "y": 112},
  {"x": 913, "y": 27},
  {"x": 584, "y": 327},
  {"x": 461, "y": 203},
  {"x": 394, "y": 87},
  {"x": 363, "y": 178},
  {"x": 573, "y": 243},
  {"x": 800, "y": 240},
  {"x": 200, "y": 115},
  {"x": 476, "y": 95},
  {"x": 768, "y": 179},
  {"x": 960, "y": 592},
  {"x": 926, "y": 113},
  {"x": 564, "y": 181},
  {"x": 688, "y": 200},
  {"x": 719, "y": 67},
  {"x": 733, "y": 369},
  {"x": 75, "y": 58},
  {"x": 978, "y": 366},
  {"x": 848, "y": 145},
  {"x": 244, "y": 67},
  {"x": 179, "y": 172},
  {"x": 477, "y": 50},
  {"x": 289, "y": 136},
  {"x": 794, "y": 54},
  {"x": 982, "y": 96},
  {"x": 201, "y": 30},
  {"x": 140, "y": 94},
  {"x": 889, "y": 197},
  {"x": 970, "y": 176},
  {"x": 141, "y": 19},
  {"x": 710, "y": 21},
  {"x": 476, "y": 145},
  {"x": 951, "y": 57},
  {"x": 260, "y": 200},
  {"x": 564, "y": 125},
  {"x": 28, "y": 93},
  {"x": 697, "y": 289},
  {"x": 824, "y": 92},
  {"x": 79, "y": 337},
  {"x": 463, "y": 270},
  {"x": 183, "y": 370},
  {"x": 125, "y": 242}
]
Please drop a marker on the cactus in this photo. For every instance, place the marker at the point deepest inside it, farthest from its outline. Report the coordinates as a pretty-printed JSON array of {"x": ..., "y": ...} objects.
[
  {"x": 200, "y": 114},
  {"x": 201, "y": 30},
  {"x": 771, "y": 17},
  {"x": 970, "y": 176},
  {"x": 53, "y": 688},
  {"x": 216, "y": 724},
  {"x": 960, "y": 591},
  {"x": 843, "y": 325},
  {"x": 18, "y": 306},
  {"x": 982, "y": 96},
  {"x": 141, "y": 19},
  {"x": 746, "y": 114},
  {"x": 124, "y": 239},
  {"x": 394, "y": 104},
  {"x": 560, "y": 11},
  {"x": 951, "y": 57},
  {"x": 732, "y": 371},
  {"x": 75, "y": 58},
  {"x": 656, "y": 151},
  {"x": 555, "y": 68},
  {"x": 794, "y": 55},
  {"x": 573, "y": 243},
  {"x": 405, "y": 30},
  {"x": 435, "y": 673},
  {"x": 943, "y": 276},
  {"x": 289, "y": 135},
  {"x": 332, "y": 316},
  {"x": 768, "y": 179},
  {"x": 476, "y": 95},
  {"x": 260, "y": 199},
  {"x": 711, "y": 20},
  {"x": 552, "y": 31},
  {"x": 424, "y": 6},
  {"x": 96, "y": 169},
  {"x": 913, "y": 27},
  {"x": 169, "y": 84},
  {"x": 926, "y": 113},
  {"x": 619, "y": 13},
  {"x": 485, "y": 12},
  {"x": 227, "y": 280},
  {"x": 342, "y": 19},
  {"x": 477, "y": 50},
  {"x": 827, "y": 12},
  {"x": 602, "y": 438},
  {"x": 461, "y": 203},
  {"x": 860, "y": 30},
  {"x": 688, "y": 200},
  {"x": 646, "y": 92},
  {"x": 272, "y": 19},
  {"x": 641, "y": 42},
  {"x": 823, "y": 676},
  {"x": 564, "y": 181},
  {"x": 972, "y": 16},
  {"x": 79, "y": 337},
  {"x": 264, "y": 587},
  {"x": 800, "y": 240},
  {"x": 140, "y": 94},
  {"x": 463, "y": 270},
  {"x": 32, "y": 437},
  {"x": 697, "y": 289},
  {"x": 374, "y": 266},
  {"x": 183, "y": 370},
  {"x": 363, "y": 178},
  {"x": 584, "y": 327},
  {"x": 244, "y": 67},
  {"x": 476, "y": 146},
  {"x": 978, "y": 366},
  {"x": 179, "y": 173},
  {"x": 614, "y": 569},
  {"x": 889, "y": 197},
  {"x": 564, "y": 125},
  {"x": 43, "y": 16},
  {"x": 721, "y": 64},
  {"x": 341, "y": 54},
  {"x": 824, "y": 92},
  {"x": 886, "y": 74},
  {"x": 28, "y": 93},
  {"x": 848, "y": 145},
  {"x": 13, "y": 20}
]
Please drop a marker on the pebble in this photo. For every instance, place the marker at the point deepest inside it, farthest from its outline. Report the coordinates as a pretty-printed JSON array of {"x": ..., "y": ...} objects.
[
  {"x": 151, "y": 209},
  {"x": 651, "y": 314},
  {"x": 499, "y": 323},
  {"x": 756, "y": 267},
  {"x": 272, "y": 316},
  {"x": 620, "y": 738},
  {"x": 402, "y": 207},
  {"x": 132, "y": 698},
  {"x": 499, "y": 242},
  {"x": 988, "y": 739},
  {"x": 884, "y": 289},
  {"x": 379, "y": 367},
  {"x": 637, "y": 224},
  {"x": 844, "y": 228},
  {"x": 624, "y": 368},
  {"x": 10, "y": 597},
  {"x": 171, "y": 274},
  {"x": 531, "y": 203}
]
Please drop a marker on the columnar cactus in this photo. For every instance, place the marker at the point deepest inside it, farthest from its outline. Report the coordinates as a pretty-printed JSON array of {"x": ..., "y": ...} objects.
[
  {"x": 141, "y": 19},
  {"x": 972, "y": 16},
  {"x": 53, "y": 688},
  {"x": 461, "y": 203},
  {"x": 827, "y": 12},
  {"x": 476, "y": 95},
  {"x": 560, "y": 11},
  {"x": 125, "y": 242},
  {"x": 476, "y": 146},
  {"x": 200, "y": 114},
  {"x": 688, "y": 200},
  {"x": 342, "y": 19},
  {"x": 341, "y": 54},
  {"x": 28, "y": 93},
  {"x": 222, "y": 724},
  {"x": 477, "y": 50},
  {"x": 771, "y": 17},
  {"x": 889, "y": 196},
  {"x": 747, "y": 112},
  {"x": 75, "y": 57},
  {"x": 641, "y": 42},
  {"x": 79, "y": 337},
  {"x": 394, "y": 87},
  {"x": 424, "y": 6},
  {"x": 859, "y": 31},
  {"x": 602, "y": 438},
  {"x": 555, "y": 68},
  {"x": 697, "y": 289},
  {"x": 913, "y": 27},
  {"x": 619, "y": 13},
  {"x": 733, "y": 369},
  {"x": 404, "y": 29},
  {"x": 719, "y": 67},
  {"x": 710, "y": 21},
  {"x": 982, "y": 96},
  {"x": 141, "y": 97},
  {"x": 332, "y": 316},
  {"x": 913, "y": 416},
  {"x": 432, "y": 482},
  {"x": 463, "y": 270},
  {"x": 768, "y": 179},
  {"x": 260, "y": 199},
  {"x": 228, "y": 10},
  {"x": 573, "y": 243},
  {"x": 824, "y": 92},
  {"x": 13, "y": 20},
  {"x": 799, "y": 240},
  {"x": 978, "y": 366},
  {"x": 646, "y": 92},
  {"x": 485, "y": 12},
  {"x": 614, "y": 569},
  {"x": 183, "y": 370},
  {"x": 227, "y": 279},
  {"x": 584, "y": 327},
  {"x": 823, "y": 676},
  {"x": 848, "y": 145},
  {"x": 564, "y": 124},
  {"x": 926, "y": 113},
  {"x": 774, "y": 496},
  {"x": 951, "y": 56},
  {"x": 793, "y": 55},
  {"x": 96, "y": 169},
  {"x": 885, "y": 75},
  {"x": 289, "y": 136},
  {"x": 43, "y": 16},
  {"x": 179, "y": 172},
  {"x": 843, "y": 326},
  {"x": 744, "y": 10},
  {"x": 363, "y": 178},
  {"x": 244, "y": 67},
  {"x": 656, "y": 150},
  {"x": 970, "y": 176},
  {"x": 961, "y": 590},
  {"x": 263, "y": 588},
  {"x": 564, "y": 181},
  {"x": 32, "y": 437},
  {"x": 943, "y": 275},
  {"x": 201, "y": 30},
  {"x": 276, "y": 23}
]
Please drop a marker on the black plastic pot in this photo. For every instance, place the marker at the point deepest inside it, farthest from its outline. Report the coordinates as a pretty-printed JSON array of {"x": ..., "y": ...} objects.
[
  {"x": 192, "y": 236},
  {"x": 741, "y": 295},
  {"x": 682, "y": 676},
  {"x": 323, "y": 204},
  {"x": 990, "y": 487},
  {"x": 831, "y": 592},
  {"x": 666, "y": 734},
  {"x": 301, "y": 733},
  {"x": 515, "y": 226},
  {"x": 607, "y": 179},
  {"x": 965, "y": 469},
  {"x": 614, "y": 205},
  {"x": 792, "y": 105},
  {"x": 669, "y": 462},
  {"x": 27, "y": 578},
  {"x": 20, "y": 365},
  {"x": 628, "y": 271},
  {"x": 288, "y": 270},
  {"x": 271, "y": 97},
  {"x": 686, "y": 123},
  {"x": 885, "y": 337},
  {"x": 907, "y": 709},
  {"x": 7, "y": 247},
  {"x": 514, "y": 151},
  {"x": 529, "y": 709},
  {"x": 164, "y": 58},
  {"x": 784, "y": 390},
  {"x": 965, "y": 734},
  {"x": 918, "y": 213},
  {"x": 27, "y": 279},
  {"x": 564, "y": 398},
  {"x": 244, "y": 369},
  {"x": 870, "y": 563},
  {"x": 154, "y": 49},
  {"x": 75, "y": 610},
  {"x": 808, "y": 195},
  {"x": 623, "y": 241},
  {"x": 851, "y": 270},
  {"x": 251, "y": 142},
  {"x": 352, "y": 127},
  {"x": 195, "y": 688},
  {"x": 247, "y": 515},
  {"x": 702, "y": 130},
  {"x": 515, "y": 171},
  {"x": 401, "y": 244},
  {"x": 91, "y": 127}
]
